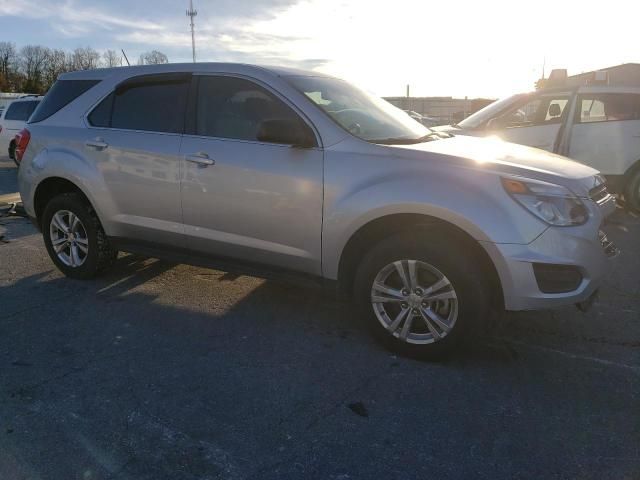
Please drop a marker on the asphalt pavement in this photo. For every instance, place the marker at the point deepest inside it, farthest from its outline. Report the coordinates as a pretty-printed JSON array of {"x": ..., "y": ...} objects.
[{"x": 161, "y": 371}]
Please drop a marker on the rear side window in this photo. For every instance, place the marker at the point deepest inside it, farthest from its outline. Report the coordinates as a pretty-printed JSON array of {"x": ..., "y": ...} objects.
[
  {"x": 154, "y": 103},
  {"x": 61, "y": 94},
  {"x": 21, "y": 110},
  {"x": 608, "y": 107}
]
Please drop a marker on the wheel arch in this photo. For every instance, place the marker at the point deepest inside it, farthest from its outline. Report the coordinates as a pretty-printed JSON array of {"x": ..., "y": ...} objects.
[
  {"x": 630, "y": 171},
  {"x": 377, "y": 229},
  {"x": 50, "y": 187}
]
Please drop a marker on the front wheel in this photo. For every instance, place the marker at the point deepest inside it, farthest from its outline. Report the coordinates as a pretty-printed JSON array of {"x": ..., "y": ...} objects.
[{"x": 421, "y": 295}]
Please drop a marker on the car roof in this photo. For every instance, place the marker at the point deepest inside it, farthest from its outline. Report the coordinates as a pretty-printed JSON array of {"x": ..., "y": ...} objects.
[
  {"x": 102, "y": 73},
  {"x": 28, "y": 98},
  {"x": 608, "y": 89}
]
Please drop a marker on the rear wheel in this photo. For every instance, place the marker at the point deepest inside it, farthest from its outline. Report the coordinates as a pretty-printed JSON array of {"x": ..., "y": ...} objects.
[
  {"x": 632, "y": 191},
  {"x": 12, "y": 152},
  {"x": 74, "y": 237},
  {"x": 421, "y": 295}
]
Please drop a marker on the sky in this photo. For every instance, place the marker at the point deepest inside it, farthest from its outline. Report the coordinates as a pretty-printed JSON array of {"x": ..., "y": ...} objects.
[{"x": 474, "y": 48}]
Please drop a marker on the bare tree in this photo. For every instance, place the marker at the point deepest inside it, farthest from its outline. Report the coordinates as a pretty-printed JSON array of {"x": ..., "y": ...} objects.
[
  {"x": 55, "y": 65},
  {"x": 7, "y": 62},
  {"x": 85, "y": 59},
  {"x": 112, "y": 58},
  {"x": 33, "y": 59},
  {"x": 153, "y": 57}
]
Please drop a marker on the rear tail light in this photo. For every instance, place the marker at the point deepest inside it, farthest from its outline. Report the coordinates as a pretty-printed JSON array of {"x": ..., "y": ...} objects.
[{"x": 22, "y": 142}]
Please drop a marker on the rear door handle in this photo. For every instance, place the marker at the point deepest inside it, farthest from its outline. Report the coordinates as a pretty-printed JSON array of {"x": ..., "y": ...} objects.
[
  {"x": 97, "y": 143},
  {"x": 200, "y": 158}
]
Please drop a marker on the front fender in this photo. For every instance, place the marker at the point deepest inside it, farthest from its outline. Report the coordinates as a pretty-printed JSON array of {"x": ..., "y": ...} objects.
[{"x": 471, "y": 200}]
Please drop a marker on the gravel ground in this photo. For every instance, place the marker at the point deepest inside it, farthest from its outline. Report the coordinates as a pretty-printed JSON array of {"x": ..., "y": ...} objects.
[{"x": 161, "y": 371}]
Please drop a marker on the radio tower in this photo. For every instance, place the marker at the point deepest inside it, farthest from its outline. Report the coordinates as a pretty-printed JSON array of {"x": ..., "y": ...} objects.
[{"x": 192, "y": 13}]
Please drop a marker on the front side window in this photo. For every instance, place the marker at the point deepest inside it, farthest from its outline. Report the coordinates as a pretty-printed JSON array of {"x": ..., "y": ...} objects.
[
  {"x": 235, "y": 108},
  {"x": 21, "y": 110},
  {"x": 539, "y": 110},
  {"x": 154, "y": 103},
  {"x": 362, "y": 114},
  {"x": 608, "y": 107}
]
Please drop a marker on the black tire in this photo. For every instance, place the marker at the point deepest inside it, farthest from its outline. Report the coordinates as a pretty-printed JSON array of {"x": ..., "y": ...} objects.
[
  {"x": 443, "y": 251},
  {"x": 100, "y": 254},
  {"x": 632, "y": 191},
  {"x": 12, "y": 153}
]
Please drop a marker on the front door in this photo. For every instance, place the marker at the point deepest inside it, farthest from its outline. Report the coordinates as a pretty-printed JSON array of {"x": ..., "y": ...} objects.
[
  {"x": 535, "y": 122},
  {"x": 606, "y": 132},
  {"x": 243, "y": 198}
]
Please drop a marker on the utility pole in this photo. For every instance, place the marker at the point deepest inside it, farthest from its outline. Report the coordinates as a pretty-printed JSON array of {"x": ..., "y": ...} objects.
[{"x": 192, "y": 13}]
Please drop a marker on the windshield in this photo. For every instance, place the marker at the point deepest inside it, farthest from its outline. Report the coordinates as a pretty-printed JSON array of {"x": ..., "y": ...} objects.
[
  {"x": 490, "y": 111},
  {"x": 362, "y": 114}
]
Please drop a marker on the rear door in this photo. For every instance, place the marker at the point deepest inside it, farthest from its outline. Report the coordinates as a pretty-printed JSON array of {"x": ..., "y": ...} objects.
[
  {"x": 606, "y": 131},
  {"x": 536, "y": 121},
  {"x": 243, "y": 198},
  {"x": 134, "y": 139}
]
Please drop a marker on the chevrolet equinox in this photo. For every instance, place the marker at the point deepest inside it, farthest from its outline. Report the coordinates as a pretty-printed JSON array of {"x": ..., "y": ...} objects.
[{"x": 276, "y": 170}]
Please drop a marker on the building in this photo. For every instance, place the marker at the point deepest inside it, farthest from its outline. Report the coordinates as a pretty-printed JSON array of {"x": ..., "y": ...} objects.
[
  {"x": 625, "y": 75},
  {"x": 445, "y": 110}
]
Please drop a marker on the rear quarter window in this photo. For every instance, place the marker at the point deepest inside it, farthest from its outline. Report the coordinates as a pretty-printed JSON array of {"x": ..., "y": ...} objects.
[{"x": 61, "y": 94}]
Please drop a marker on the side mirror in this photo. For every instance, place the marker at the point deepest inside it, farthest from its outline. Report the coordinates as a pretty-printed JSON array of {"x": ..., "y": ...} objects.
[
  {"x": 287, "y": 132},
  {"x": 554, "y": 110},
  {"x": 493, "y": 123}
]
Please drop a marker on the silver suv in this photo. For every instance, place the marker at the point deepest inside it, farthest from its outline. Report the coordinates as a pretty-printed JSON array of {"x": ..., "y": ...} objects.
[{"x": 274, "y": 170}]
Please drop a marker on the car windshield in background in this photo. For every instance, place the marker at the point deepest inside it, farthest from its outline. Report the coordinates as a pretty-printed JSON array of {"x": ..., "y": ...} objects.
[
  {"x": 362, "y": 114},
  {"x": 487, "y": 113}
]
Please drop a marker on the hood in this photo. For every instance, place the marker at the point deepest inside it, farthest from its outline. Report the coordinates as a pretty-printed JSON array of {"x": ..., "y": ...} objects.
[{"x": 493, "y": 155}]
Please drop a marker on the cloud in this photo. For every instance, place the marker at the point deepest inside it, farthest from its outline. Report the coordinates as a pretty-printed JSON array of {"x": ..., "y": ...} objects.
[{"x": 226, "y": 30}]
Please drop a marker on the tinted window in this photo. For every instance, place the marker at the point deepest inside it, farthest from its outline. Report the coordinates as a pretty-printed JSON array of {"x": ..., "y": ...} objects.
[
  {"x": 608, "y": 107},
  {"x": 154, "y": 104},
  {"x": 230, "y": 107},
  {"x": 21, "y": 110},
  {"x": 101, "y": 115},
  {"x": 61, "y": 94}
]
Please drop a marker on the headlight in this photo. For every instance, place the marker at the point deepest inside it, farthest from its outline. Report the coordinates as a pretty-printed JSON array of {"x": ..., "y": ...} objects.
[{"x": 554, "y": 204}]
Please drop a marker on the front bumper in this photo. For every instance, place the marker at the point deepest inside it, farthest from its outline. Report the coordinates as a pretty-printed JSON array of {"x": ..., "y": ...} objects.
[{"x": 579, "y": 247}]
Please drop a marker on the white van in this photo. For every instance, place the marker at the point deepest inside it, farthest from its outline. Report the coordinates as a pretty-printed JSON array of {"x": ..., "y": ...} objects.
[
  {"x": 13, "y": 119},
  {"x": 596, "y": 125}
]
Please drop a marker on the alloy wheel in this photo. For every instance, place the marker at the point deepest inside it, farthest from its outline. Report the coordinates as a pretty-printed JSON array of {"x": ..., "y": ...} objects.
[
  {"x": 414, "y": 301},
  {"x": 69, "y": 238}
]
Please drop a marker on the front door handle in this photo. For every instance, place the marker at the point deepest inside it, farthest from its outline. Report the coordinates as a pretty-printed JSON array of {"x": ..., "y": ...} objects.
[
  {"x": 200, "y": 158},
  {"x": 97, "y": 143}
]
